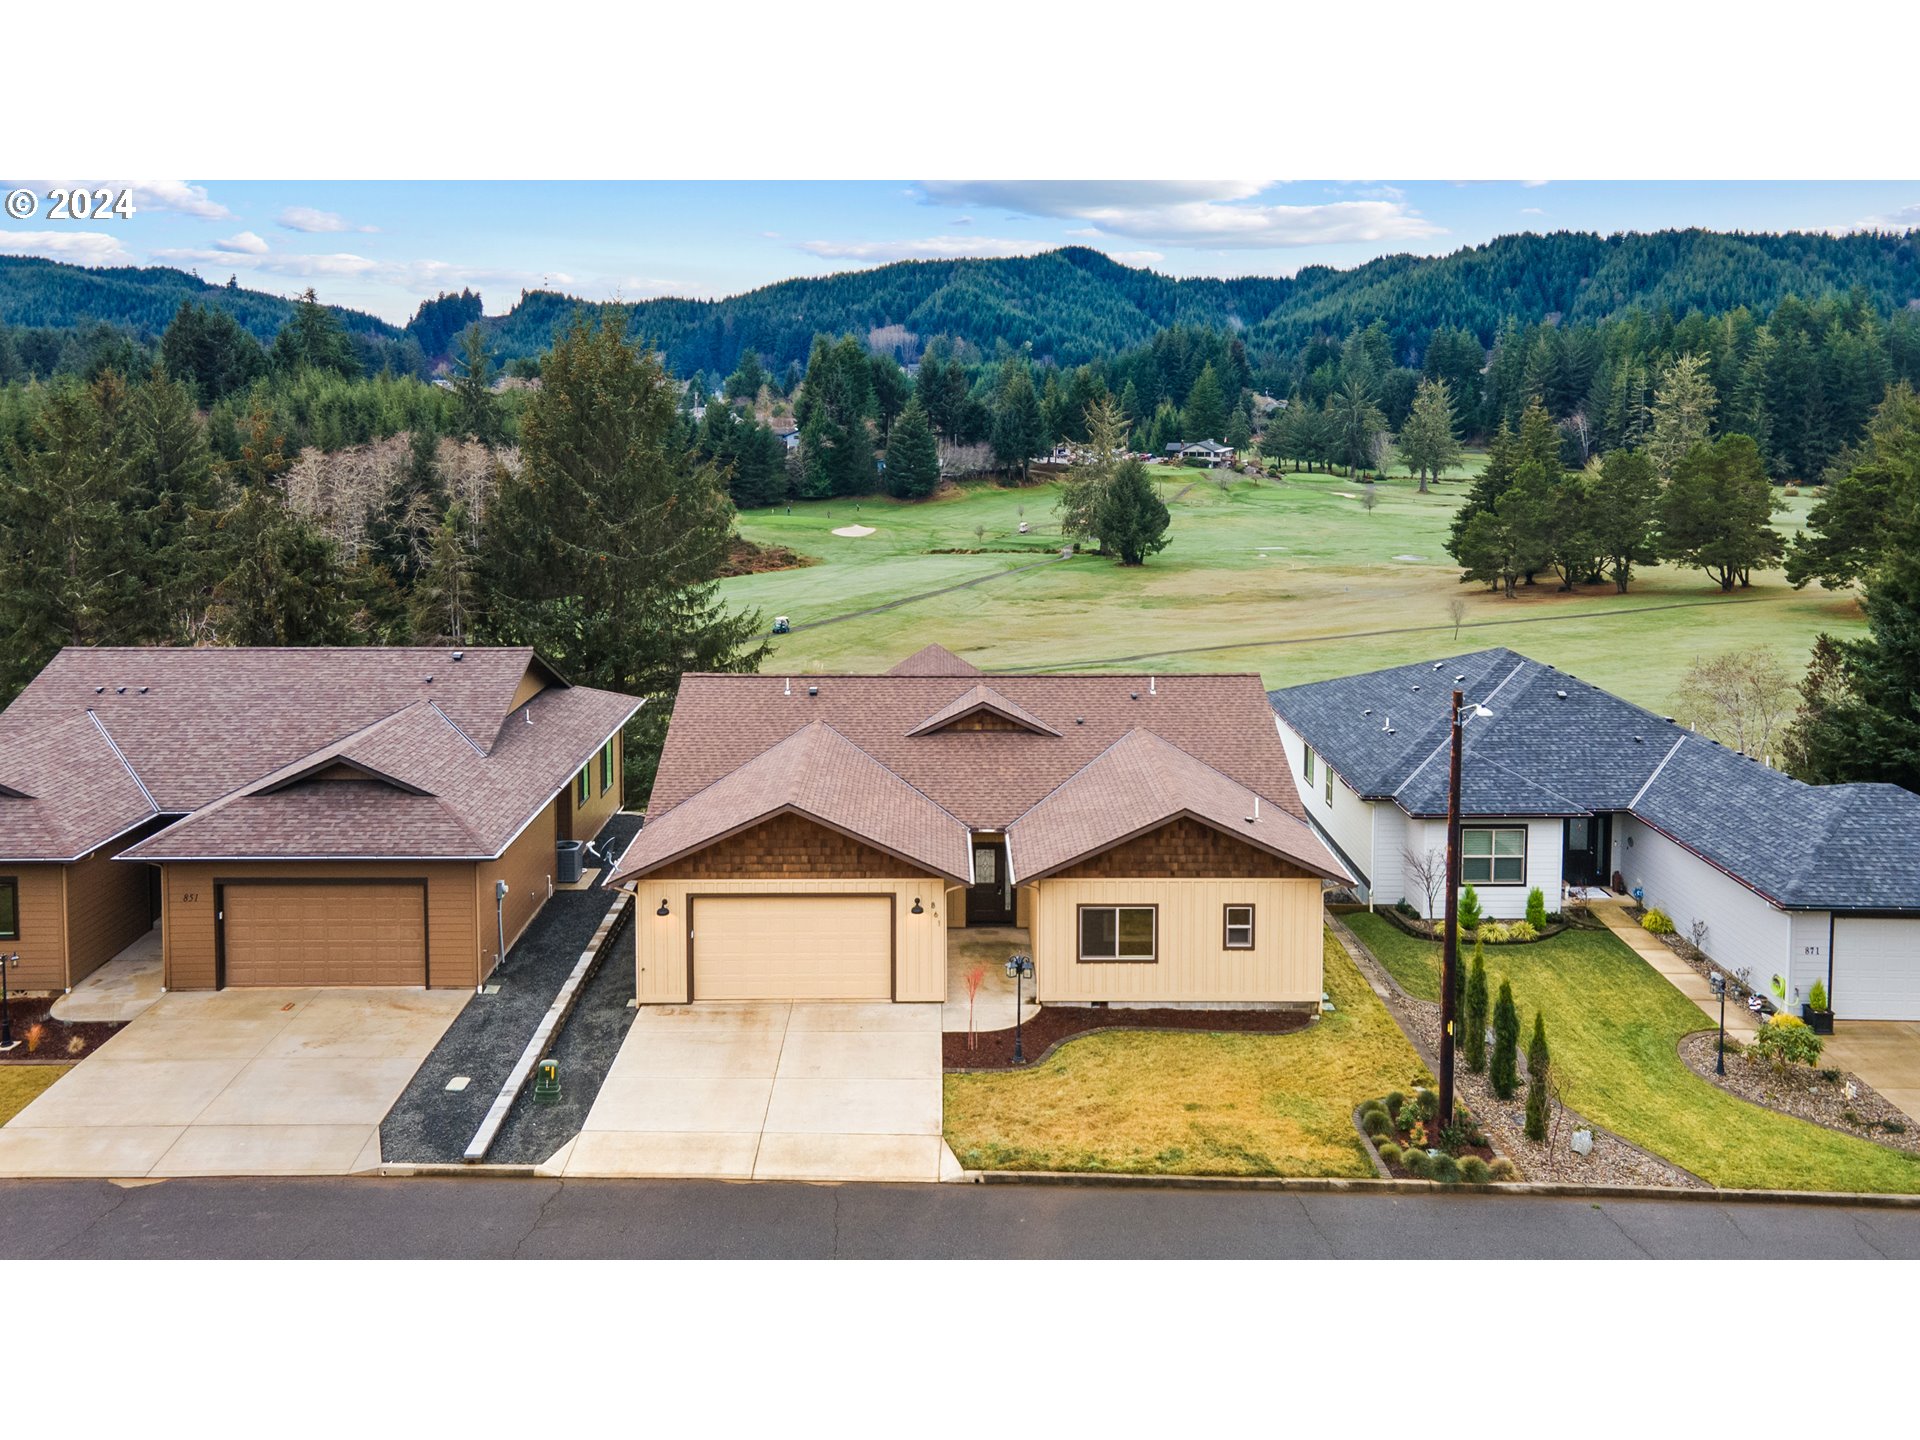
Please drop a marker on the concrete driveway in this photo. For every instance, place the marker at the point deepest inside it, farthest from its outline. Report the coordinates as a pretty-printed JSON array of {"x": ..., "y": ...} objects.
[
  {"x": 1884, "y": 1053},
  {"x": 234, "y": 1082},
  {"x": 770, "y": 1091}
]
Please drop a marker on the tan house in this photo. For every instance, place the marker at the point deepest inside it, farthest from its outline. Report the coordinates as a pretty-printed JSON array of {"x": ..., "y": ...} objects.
[
  {"x": 815, "y": 837},
  {"x": 294, "y": 817}
]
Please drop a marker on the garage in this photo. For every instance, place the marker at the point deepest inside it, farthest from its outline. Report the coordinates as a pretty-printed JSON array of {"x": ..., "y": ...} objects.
[
  {"x": 791, "y": 947},
  {"x": 294, "y": 934},
  {"x": 1876, "y": 968}
]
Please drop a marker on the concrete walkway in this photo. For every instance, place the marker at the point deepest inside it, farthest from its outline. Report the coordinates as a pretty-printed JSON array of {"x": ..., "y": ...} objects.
[
  {"x": 1884, "y": 1053},
  {"x": 234, "y": 1082},
  {"x": 120, "y": 990},
  {"x": 1742, "y": 1023},
  {"x": 770, "y": 1091},
  {"x": 988, "y": 945}
]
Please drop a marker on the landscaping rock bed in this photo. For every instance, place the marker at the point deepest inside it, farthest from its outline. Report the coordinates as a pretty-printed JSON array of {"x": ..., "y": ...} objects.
[
  {"x": 58, "y": 1042},
  {"x": 1697, "y": 961},
  {"x": 1054, "y": 1024},
  {"x": 1805, "y": 1092}
]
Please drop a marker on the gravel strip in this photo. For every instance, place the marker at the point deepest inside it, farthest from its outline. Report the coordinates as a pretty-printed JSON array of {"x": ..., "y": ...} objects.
[{"x": 1800, "y": 1091}]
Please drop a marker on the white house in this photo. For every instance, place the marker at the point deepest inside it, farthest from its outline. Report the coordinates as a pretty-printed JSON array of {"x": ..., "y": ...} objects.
[{"x": 1566, "y": 786}]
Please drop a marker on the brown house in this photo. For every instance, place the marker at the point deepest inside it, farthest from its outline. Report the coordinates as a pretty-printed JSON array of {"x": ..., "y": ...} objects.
[
  {"x": 814, "y": 837},
  {"x": 294, "y": 817}
]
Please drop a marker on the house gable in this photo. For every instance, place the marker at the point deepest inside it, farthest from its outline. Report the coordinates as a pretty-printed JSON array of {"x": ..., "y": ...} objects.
[
  {"x": 1183, "y": 849},
  {"x": 788, "y": 846}
]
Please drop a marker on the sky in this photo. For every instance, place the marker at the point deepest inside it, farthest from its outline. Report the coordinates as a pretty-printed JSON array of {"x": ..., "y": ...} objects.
[{"x": 384, "y": 246}]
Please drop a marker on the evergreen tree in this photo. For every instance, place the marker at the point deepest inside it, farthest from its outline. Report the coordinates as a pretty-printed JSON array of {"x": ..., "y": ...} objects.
[
  {"x": 1474, "y": 1013},
  {"x": 913, "y": 456},
  {"x": 280, "y": 582},
  {"x": 601, "y": 551},
  {"x": 170, "y": 481},
  {"x": 1623, "y": 502},
  {"x": 1019, "y": 428},
  {"x": 1717, "y": 514},
  {"x": 1130, "y": 515},
  {"x": 477, "y": 412},
  {"x": 207, "y": 349},
  {"x": 1503, "y": 1065},
  {"x": 747, "y": 378},
  {"x": 1239, "y": 434},
  {"x": 1205, "y": 414},
  {"x": 1362, "y": 426},
  {"x": 1087, "y": 480},
  {"x": 1426, "y": 442},
  {"x": 402, "y": 527},
  {"x": 1858, "y": 512},
  {"x": 1538, "y": 1062},
  {"x": 314, "y": 339},
  {"x": 441, "y": 603},
  {"x": 1682, "y": 414}
]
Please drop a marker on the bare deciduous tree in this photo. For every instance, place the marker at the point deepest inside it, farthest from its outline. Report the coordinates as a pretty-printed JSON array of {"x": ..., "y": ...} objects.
[
  {"x": 1427, "y": 869},
  {"x": 1457, "y": 612},
  {"x": 1743, "y": 699}
]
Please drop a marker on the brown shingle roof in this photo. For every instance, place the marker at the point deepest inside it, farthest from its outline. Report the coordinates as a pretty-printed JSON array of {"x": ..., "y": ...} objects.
[
  {"x": 934, "y": 660},
  {"x": 982, "y": 697},
  {"x": 1139, "y": 783},
  {"x": 986, "y": 779},
  {"x": 204, "y": 730},
  {"x": 816, "y": 772}
]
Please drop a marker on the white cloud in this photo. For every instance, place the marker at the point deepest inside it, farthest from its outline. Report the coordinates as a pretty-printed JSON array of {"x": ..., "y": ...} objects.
[
  {"x": 934, "y": 247},
  {"x": 1136, "y": 257},
  {"x": 1533, "y": 210},
  {"x": 309, "y": 221},
  {"x": 175, "y": 195},
  {"x": 245, "y": 243},
  {"x": 1534, "y": 184},
  {"x": 1206, "y": 214},
  {"x": 76, "y": 247},
  {"x": 1907, "y": 217}
]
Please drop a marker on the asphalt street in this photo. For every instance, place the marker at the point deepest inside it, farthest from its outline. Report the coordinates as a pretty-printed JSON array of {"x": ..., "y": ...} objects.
[{"x": 487, "y": 1218}]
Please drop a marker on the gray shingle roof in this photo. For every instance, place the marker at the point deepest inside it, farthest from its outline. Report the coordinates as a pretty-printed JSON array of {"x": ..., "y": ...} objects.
[{"x": 1556, "y": 745}]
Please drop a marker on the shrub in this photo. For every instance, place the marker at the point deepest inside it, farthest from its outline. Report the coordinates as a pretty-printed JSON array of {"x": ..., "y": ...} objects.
[
  {"x": 1788, "y": 1040},
  {"x": 1375, "y": 1122},
  {"x": 1393, "y": 1103},
  {"x": 1536, "y": 909},
  {"x": 1405, "y": 907},
  {"x": 1389, "y": 1152},
  {"x": 1475, "y": 1017},
  {"x": 1832, "y": 1077},
  {"x": 1444, "y": 1168},
  {"x": 1523, "y": 931},
  {"x": 1893, "y": 1127},
  {"x": 1538, "y": 1062},
  {"x": 1657, "y": 922},
  {"x": 1494, "y": 932},
  {"x": 1426, "y": 1104},
  {"x": 1470, "y": 912},
  {"x": 1503, "y": 1066},
  {"x": 1370, "y": 1107},
  {"x": 1474, "y": 1170},
  {"x": 1414, "y": 1162},
  {"x": 1817, "y": 996},
  {"x": 1790, "y": 490},
  {"x": 1503, "y": 1169}
]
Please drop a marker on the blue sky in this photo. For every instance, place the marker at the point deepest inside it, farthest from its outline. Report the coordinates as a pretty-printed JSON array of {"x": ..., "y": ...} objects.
[{"x": 386, "y": 245}]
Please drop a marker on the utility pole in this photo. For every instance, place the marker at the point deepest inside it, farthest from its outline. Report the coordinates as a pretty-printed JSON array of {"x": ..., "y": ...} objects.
[{"x": 1450, "y": 944}]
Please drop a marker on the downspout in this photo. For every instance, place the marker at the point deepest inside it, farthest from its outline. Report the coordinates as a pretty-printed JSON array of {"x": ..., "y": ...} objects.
[
  {"x": 500, "y": 921},
  {"x": 1829, "y": 962}
]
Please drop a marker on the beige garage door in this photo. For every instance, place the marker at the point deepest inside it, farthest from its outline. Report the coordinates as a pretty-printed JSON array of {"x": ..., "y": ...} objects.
[
  {"x": 358, "y": 934},
  {"x": 793, "y": 947}
]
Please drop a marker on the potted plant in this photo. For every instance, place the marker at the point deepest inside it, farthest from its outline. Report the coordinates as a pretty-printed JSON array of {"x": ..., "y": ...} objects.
[{"x": 1816, "y": 1012}]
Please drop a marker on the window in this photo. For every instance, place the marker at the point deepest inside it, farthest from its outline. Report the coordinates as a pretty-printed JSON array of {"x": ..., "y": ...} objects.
[
  {"x": 1307, "y": 769},
  {"x": 1238, "y": 927},
  {"x": 1329, "y": 770},
  {"x": 1118, "y": 933},
  {"x": 606, "y": 767},
  {"x": 1493, "y": 857},
  {"x": 583, "y": 785},
  {"x": 9, "y": 908}
]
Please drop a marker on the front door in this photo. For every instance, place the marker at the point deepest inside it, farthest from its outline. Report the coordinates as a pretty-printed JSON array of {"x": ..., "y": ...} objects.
[
  {"x": 989, "y": 898},
  {"x": 1587, "y": 850}
]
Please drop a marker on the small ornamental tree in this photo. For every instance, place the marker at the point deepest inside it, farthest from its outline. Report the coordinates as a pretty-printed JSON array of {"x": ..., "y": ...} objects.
[
  {"x": 1538, "y": 1062},
  {"x": 1788, "y": 1040},
  {"x": 1470, "y": 912},
  {"x": 1536, "y": 908},
  {"x": 1503, "y": 1067},
  {"x": 1475, "y": 1014}
]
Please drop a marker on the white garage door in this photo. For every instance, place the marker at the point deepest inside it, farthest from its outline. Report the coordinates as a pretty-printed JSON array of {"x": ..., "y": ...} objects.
[
  {"x": 1876, "y": 969},
  {"x": 792, "y": 947}
]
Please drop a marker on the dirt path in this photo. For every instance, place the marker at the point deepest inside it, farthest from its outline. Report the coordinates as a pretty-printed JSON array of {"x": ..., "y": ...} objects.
[{"x": 923, "y": 595}]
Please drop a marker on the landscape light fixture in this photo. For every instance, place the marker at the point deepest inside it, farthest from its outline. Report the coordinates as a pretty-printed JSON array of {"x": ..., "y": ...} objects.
[
  {"x": 1450, "y": 949},
  {"x": 1019, "y": 967}
]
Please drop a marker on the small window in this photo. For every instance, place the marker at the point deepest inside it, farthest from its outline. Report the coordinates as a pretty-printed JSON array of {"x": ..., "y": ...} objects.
[
  {"x": 1239, "y": 927},
  {"x": 1329, "y": 770},
  {"x": 606, "y": 767},
  {"x": 1115, "y": 933},
  {"x": 9, "y": 908},
  {"x": 1490, "y": 856},
  {"x": 583, "y": 785},
  {"x": 1307, "y": 768}
]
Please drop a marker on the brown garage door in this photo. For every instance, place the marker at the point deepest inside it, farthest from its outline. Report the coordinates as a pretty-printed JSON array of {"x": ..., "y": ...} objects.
[
  {"x": 291, "y": 934},
  {"x": 792, "y": 947}
]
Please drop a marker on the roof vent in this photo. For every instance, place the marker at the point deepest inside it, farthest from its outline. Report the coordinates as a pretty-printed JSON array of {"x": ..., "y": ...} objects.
[
  {"x": 787, "y": 686},
  {"x": 1458, "y": 678},
  {"x": 1561, "y": 693},
  {"x": 1135, "y": 695},
  {"x": 143, "y": 689},
  {"x": 1366, "y": 712},
  {"x": 99, "y": 689},
  {"x": 458, "y": 656},
  {"x": 1638, "y": 740},
  {"x": 1436, "y": 664},
  {"x": 1153, "y": 685},
  {"x": 1416, "y": 687},
  {"x": 1079, "y": 719},
  {"x": 813, "y": 689},
  {"x": 119, "y": 689},
  {"x": 429, "y": 679}
]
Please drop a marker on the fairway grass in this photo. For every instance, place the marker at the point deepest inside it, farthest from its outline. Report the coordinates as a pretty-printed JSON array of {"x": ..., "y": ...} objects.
[
  {"x": 1187, "y": 1103},
  {"x": 1287, "y": 577},
  {"x": 1614, "y": 1025}
]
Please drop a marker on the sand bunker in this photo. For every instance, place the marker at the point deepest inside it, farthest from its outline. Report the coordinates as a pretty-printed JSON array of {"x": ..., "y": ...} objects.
[{"x": 854, "y": 531}]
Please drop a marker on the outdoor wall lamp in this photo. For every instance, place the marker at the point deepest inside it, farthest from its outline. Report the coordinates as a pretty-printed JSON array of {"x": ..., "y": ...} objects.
[
  {"x": 918, "y": 908},
  {"x": 663, "y": 906}
]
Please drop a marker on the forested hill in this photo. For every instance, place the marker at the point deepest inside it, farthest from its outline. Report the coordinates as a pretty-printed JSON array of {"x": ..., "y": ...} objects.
[
  {"x": 1075, "y": 304},
  {"x": 45, "y": 294}
]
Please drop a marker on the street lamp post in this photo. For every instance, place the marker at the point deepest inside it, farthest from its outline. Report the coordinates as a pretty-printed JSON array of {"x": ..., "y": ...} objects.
[
  {"x": 1450, "y": 944},
  {"x": 1719, "y": 983},
  {"x": 1018, "y": 968}
]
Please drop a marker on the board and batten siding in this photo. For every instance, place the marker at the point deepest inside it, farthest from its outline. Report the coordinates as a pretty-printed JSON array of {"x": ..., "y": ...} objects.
[
  {"x": 527, "y": 865},
  {"x": 188, "y": 927},
  {"x": 1744, "y": 931},
  {"x": 109, "y": 906},
  {"x": 42, "y": 944},
  {"x": 1193, "y": 965},
  {"x": 584, "y": 822},
  {"x": 661, "y": 941}
]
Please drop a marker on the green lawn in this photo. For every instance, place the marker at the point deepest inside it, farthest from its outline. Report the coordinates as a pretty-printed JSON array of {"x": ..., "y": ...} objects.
[
  {"x": 1178, "y": 1103},
  {"x": 1293, "y": 575},
  {"x": 1613, "y": 1023},
  {"x": 21, "y": 1085}
]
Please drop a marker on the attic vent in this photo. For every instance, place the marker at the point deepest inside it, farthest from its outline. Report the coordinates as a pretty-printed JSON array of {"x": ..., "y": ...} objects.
[
  {"x": 119, "y": 689},
  {"x": 1638, "y": 741},
  {"x": 1436, "y": 664},
  {"x": 1079, "y": 719},
  {"x": 1561, "y": 693},
  {"x": 813, "y": 689},
  {"x": 1458, "y": 678},
  {"x": 429, "y": 679},
  {"x": 143, "y": 689},
  {"x": 99, "y": 689},
  {"x": 1135, "y": 695},
  {"x": 1416, "y": 687},
  {"x": 458, "y": 656},
  {"x": 1366, "y": 712}
]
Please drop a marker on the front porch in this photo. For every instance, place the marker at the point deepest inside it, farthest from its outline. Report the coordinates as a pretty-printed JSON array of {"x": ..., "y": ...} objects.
[{"x": 989, "y": 946}]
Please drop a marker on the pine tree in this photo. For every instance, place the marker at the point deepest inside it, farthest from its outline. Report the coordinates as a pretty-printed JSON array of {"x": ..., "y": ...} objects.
[
  {"x": 477, "y": 412},
  {"x": 1682, "y": 415},
  {"x": 1205, "y": 414},
  {"x": 1474, "y": 1013},
  {"x": 441, "y": 602},
  {"x": 314, "y": 339},
  {"x": 1622, "y": 502},
  {"x": 913, "y": 456},
  {"x": 1503, "y": 1066},
  {"x": 1538, "y": 1064},
  {"x": 747, "y": 378},
  {"x": 1426, "y": 442},
  {"x": 1717, "y": 513},
  {"x": 1130, "y": 515},
  {"x": 1019, "y": 428}
]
